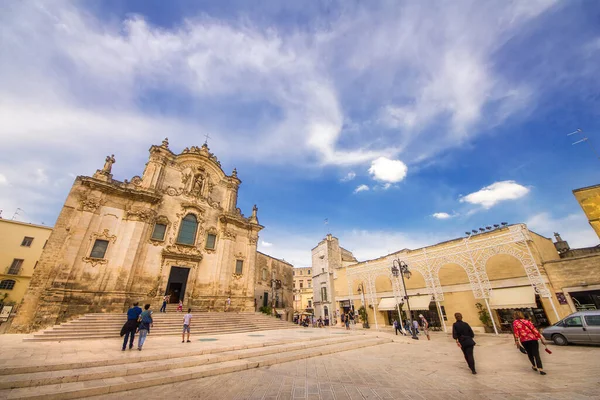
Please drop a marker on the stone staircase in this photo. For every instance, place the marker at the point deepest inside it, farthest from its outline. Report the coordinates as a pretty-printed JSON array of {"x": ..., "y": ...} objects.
[
  {"x": 121, "y": 372},
  {"x": 99, "y": 326}
]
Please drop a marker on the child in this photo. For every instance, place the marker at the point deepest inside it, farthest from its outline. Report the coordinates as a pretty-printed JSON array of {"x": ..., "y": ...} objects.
[
  {"x": 180, "y": 306},
  {"x": 187, "y": 320}
]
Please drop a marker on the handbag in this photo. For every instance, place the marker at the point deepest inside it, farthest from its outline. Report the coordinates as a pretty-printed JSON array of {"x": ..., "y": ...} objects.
[{"x": 522, "y": 349}]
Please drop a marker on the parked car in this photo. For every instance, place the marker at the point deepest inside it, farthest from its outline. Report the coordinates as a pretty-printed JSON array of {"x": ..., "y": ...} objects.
[{"x": 580, "y": 327}]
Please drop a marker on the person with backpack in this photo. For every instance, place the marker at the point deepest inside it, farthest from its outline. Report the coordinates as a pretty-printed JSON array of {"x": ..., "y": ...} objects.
[
  {"x": 526, "y": 337},
  {"x": 463, "y": 334},
  {"x": 144, "y": 326}
]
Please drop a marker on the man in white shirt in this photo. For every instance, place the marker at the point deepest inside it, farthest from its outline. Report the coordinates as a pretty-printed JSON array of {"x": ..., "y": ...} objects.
[{"x": 187, "y": 320}]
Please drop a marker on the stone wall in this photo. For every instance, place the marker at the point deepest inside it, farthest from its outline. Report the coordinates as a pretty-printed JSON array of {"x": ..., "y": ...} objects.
[
  {"x": 589, "y": 200},
  {"x": 279, "y": 270}
]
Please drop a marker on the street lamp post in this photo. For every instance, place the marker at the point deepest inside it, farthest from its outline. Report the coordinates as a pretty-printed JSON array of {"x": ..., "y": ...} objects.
[
  {"x": 402, "y": 270},
  {"x": 361, "y": 291}
]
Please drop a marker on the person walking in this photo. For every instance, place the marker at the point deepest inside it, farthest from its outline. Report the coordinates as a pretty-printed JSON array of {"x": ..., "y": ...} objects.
[
  {"x": 347, "y": 321},
  {"x": 187, "y": 321},
  {"x": 129, "y": 328},
  {"x": 527, "y": 336},
  {"x": 397, "y": 327},
  {"x": 166, "y": 298},
  {"x": 463, "y": 334},
  {"x": 144, "y": 326},
  {"x": 425, "y": 326},
  {"x": 416, "y": 326},
  {"x": 228, "y": 304},
  {"x": 407, "y": 327},
  {"x": 180, "y": 306}
]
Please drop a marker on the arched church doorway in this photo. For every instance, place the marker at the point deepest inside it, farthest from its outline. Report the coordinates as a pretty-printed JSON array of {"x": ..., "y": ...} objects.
[{"x": 177, "y": 283}]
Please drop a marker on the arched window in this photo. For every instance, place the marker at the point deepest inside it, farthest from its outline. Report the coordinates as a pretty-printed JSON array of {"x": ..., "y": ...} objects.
[
  {"x": 7, "y": 284},
  {"x": 187, "y": 232},
  {"x": 264, "y": 274}
]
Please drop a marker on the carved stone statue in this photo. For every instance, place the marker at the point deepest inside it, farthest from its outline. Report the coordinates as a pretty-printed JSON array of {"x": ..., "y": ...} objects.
[
  {"x": 254, "y": 211},
  {"x": 234, "y": 173},
  {"x": 165, "y": 143},
  {"x": 110, "y": 160}
]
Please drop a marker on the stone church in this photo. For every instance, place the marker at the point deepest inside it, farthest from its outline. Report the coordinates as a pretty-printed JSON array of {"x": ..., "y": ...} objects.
[{"x": 176, "y": 230}]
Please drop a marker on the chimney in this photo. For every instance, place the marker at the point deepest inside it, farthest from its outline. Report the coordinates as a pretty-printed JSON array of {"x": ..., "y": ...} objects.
[{"x": 560, "y": 245}]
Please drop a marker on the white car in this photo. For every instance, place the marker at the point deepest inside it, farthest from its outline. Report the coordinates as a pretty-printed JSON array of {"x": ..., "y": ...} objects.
[{"x": 582, "y": 327}]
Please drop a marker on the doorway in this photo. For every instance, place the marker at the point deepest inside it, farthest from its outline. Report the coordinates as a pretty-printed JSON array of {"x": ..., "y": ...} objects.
[
  {"x": 177, "y": 282},
  {"x": 266, "y": 299}
]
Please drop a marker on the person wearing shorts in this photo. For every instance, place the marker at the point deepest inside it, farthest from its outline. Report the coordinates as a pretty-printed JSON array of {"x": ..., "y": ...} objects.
[
  {"x": 425, "y": 326},
  {"x": 187, "y": 320}
]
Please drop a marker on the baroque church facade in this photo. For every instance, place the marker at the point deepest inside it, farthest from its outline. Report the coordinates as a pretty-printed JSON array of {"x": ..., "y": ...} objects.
[{"x": 176, "y": 230}]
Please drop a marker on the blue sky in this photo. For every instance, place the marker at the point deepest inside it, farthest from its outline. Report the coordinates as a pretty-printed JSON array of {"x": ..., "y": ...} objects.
[{"x": 402, "y": 123}]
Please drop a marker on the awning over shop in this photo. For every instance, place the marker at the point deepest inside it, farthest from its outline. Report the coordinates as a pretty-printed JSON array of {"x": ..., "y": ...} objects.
[
  {"x": 515, "y": 297},
  {"x": 419, "y": 302},
  {"x": 387, "y": 304}
]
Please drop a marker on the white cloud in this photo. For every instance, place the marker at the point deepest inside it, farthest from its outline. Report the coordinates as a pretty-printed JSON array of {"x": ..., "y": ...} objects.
[
  {"x": 361, "y": 188},
  {"x": 442, "y": 215},
  {"x": 490, "y": 195},
  {"x": 349, "y": 176},
  {"x": 266, "y": 244},
  {"x": 3, "y": 180},
  {"x": 386, "y": 170},
  {"x": 574, "y": 228}
]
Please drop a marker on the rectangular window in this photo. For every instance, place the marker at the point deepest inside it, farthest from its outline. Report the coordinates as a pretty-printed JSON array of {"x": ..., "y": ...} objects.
[
  {"x": 294, "y": 273},
  {"x": 99, "y": 249},
  {"x": 211, "y": 239},
  {"x": 309, "y": 282},
  {"x": 309, "y": 303},
  {"x": 159, "y": 231},
  {"x": 239, "y": 267},
  {"x": 27, "y": 241},
  {"x": 300, "y": 272},
  {"x": 323, "y": 294},
  {"x": 15, "y": 267},
  {"x": 301, "y": 284},
  {"x": 309, "y": 271},
  {"x": 592, "y": 320}
]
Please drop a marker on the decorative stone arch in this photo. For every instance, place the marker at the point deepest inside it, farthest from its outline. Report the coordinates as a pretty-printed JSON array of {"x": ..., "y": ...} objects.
[{"x": 522, "y": 253}]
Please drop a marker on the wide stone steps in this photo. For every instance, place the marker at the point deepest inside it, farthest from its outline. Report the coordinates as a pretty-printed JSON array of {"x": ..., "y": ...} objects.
[
  {"x": 98, "y": 326},
  {"x": 83, "y": 379}
]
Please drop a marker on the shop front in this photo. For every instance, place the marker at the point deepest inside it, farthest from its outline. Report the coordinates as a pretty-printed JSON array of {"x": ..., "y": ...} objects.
[{"x": 506, "y": 301}]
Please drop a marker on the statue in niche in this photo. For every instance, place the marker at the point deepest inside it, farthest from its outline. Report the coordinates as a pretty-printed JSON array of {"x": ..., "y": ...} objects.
[
  {"x": 110, "y": 160},
  {"x": 197, "y": 185}
]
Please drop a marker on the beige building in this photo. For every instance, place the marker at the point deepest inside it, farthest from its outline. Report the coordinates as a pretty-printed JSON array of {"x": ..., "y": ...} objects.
[
  {"x": 329, "y": 262},
  {"x": 174, "y": 230},
  {"x": 589, "y": 200},
  {"x": 303, "y": 292},
  {"x": 274, "y": 285},
  {"x": 21, "y": 245},
  {"x": 495, "y": 272}
]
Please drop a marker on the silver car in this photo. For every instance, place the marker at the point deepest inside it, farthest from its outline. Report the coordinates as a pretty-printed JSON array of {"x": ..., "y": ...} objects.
[{"x": 581, "y": 327}]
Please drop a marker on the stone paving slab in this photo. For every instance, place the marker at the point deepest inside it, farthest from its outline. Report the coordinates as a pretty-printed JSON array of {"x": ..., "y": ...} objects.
[{"x": 404, "y": 369}]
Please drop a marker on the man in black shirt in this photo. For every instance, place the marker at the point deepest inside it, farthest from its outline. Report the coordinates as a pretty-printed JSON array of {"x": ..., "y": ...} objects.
[{"x": 463, "y": 334}]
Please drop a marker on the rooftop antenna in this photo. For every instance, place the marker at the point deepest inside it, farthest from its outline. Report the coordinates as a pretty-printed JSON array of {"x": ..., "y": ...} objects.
[
  {"x": 584, "y": 139},
  {"x": 17, "y": 213}
]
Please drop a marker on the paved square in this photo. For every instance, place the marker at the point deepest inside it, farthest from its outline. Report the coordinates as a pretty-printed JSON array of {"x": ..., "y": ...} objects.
[{"x": 404, "y": 369}]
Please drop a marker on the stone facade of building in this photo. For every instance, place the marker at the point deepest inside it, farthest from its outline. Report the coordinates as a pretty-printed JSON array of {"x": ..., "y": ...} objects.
[
  {"x": 174, "y": 230},
  {"x": 329, "y": 261},
  {"x": 274, "y": 285},
  {"x": 589, "y": 200},
  {"x": 303, "y": 290},
  {"x": 21, "y": 245},
  {"x": 500, "y": 265}
]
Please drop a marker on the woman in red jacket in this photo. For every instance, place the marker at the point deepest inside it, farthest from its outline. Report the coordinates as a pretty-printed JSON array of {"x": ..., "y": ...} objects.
[{"x": 526, "y": 336}]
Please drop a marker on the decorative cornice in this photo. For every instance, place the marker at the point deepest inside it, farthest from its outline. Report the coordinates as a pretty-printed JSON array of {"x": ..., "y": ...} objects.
[
  {"x": 180, "y": 252},
  {"x": 238, "y": 220},
  {"x": 119, "y": 189}
]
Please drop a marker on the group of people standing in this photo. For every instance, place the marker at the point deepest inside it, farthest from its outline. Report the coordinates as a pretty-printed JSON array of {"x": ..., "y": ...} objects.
[
  {"x": 140, "y": 321},
  {"x": 526, "y": 336},
  {"x": 407, "y": 330}
]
